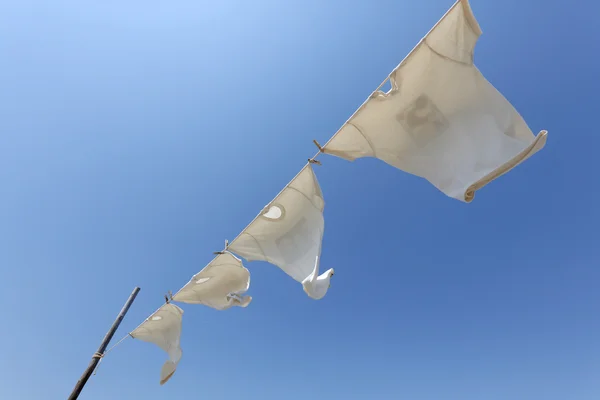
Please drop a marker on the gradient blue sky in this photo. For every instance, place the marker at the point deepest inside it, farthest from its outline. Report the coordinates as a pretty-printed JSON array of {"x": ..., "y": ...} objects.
[{"x": 136, "y": 136}]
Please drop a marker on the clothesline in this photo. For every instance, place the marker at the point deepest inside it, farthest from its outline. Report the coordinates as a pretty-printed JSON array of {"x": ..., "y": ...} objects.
[{"x": 449, "y": 126}]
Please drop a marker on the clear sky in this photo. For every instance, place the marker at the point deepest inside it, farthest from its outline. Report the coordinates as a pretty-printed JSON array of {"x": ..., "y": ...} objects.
[{"x": 135, "y": 137}]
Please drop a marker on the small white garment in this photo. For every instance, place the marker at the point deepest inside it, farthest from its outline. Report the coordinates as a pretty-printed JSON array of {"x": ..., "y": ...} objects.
[
  {"x": 219, "y": 285},
  {"x": 315, "y": 285},
  {"x": 163, "y": 328},
  {"x": 289, "y": 231},
  {"x": 441, "y": 120}
]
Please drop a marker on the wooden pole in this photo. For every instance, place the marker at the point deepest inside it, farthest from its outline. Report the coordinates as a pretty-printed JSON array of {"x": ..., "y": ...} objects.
[{"x": 98, "y": 355}]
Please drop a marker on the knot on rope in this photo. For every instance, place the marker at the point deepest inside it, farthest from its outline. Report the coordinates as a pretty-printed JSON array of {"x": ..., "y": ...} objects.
[{"x": 99, "y": 357}]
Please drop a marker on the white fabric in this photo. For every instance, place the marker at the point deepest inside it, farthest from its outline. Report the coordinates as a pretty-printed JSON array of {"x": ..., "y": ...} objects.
[
  {"x": 288, "y": 232},
  {"x": 163, "y": 328},
  {"x": 219, "y": 285},
  {"x": 441, "y": 120},
  {"x": 315, "y": 285}
]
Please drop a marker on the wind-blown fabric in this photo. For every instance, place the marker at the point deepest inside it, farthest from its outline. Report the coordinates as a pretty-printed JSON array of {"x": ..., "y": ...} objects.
[
  {"x": 163, "y": 328},
  {"x": 315, "y": 285},
  {"x": 441, "y": 120},
  {"x": 219, "y": 285},
  {"x": 289, "y": 230}
]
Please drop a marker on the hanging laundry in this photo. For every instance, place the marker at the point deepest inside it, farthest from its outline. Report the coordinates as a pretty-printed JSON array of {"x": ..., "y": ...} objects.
[
  {"x": 441, "y": 119},
  {"x": 315, "y": 285},
  {"x": 220, "y": 285},
  {"x": 288, "y": 233},
  {"x": 163, "y": 328}
]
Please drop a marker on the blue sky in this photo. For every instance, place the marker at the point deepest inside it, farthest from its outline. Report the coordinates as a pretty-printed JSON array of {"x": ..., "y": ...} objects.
[{"x": 135, "y": 137}]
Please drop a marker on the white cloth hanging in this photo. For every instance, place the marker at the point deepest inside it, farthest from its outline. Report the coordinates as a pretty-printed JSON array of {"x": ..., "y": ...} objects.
[
  {"x": 220, "y": 285},
  {"x": 288, "y": 233},
  {"x": 315, "y": 285},
  {"x": 163, "y": 328},
  {"x": 441, "y": 120}
]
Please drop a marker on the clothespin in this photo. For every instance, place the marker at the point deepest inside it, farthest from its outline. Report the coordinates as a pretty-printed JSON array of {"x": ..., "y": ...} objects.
[
  {"x": 321, "y": 150},
  {"x": 170, "y": 295},
  {"x": 224, "y": 250},
  {"x": 166, "y": 299},
  {"x": 314, "y": 160}
]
